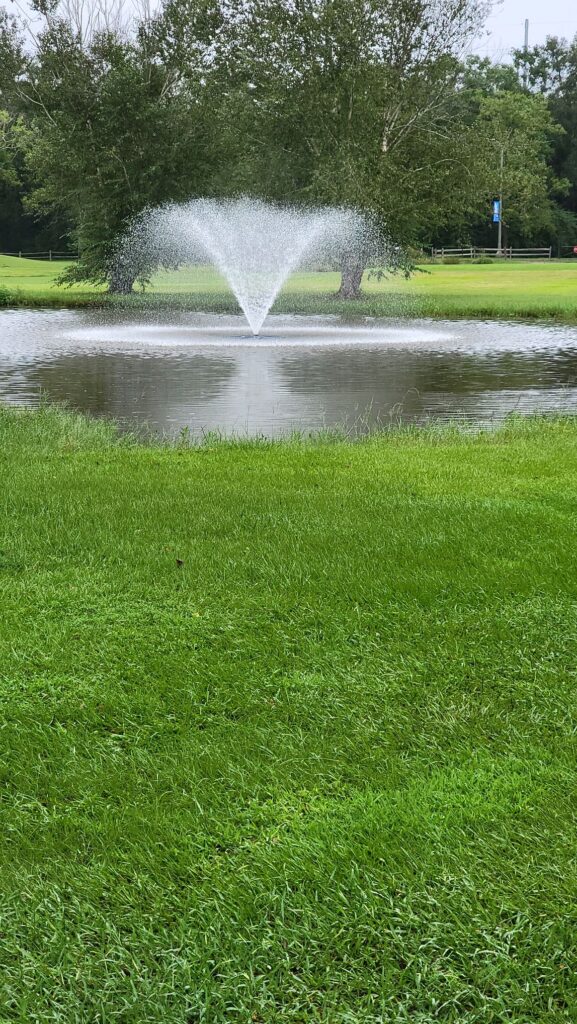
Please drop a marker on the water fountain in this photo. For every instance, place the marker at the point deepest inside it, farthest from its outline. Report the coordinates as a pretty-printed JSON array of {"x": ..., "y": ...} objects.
[
  {"x": 255, "y": 245},
  {"x": 177, "y": 369}
]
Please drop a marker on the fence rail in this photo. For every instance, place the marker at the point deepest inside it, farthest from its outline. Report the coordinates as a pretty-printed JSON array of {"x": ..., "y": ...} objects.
[
  {"x": 509, "y": 253},
  {"x": 468, "y": 252},
  {"x": 49, "y": 254}
]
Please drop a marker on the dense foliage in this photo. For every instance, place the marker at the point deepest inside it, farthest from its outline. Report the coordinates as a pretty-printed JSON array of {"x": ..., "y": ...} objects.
[{"x": 360, "y": 102}]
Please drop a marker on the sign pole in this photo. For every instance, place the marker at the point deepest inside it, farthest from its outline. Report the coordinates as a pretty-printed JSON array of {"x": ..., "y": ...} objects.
[{"x": 500, "y": 235}]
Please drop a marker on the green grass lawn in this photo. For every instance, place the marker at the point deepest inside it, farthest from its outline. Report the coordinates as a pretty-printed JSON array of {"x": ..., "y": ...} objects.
[
  {"x": 509, "y": 289},
  {"x": 288, "y": 729}
]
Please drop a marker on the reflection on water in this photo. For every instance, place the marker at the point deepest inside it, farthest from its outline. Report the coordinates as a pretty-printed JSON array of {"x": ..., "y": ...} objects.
[
  {"x": 132, "y": 385},
  {"x": 204, "y": 373}
]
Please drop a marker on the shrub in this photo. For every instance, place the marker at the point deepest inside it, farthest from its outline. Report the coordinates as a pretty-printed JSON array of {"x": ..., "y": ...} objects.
[{"x": 417, "y": 255}]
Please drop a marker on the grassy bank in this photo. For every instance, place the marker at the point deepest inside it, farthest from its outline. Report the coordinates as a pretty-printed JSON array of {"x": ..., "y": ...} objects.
[
  {"x": 524, "y": 290},
  {"x": 288, "y": 730}
]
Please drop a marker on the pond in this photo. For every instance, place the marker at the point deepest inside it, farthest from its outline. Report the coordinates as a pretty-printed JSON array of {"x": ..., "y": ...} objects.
[{"x": 204, "y": 373}]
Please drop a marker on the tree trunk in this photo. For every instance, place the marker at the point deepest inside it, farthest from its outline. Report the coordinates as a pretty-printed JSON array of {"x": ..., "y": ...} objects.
[
  {"x": 352, "y": 271},
  {"x": 120, "y": 281}
]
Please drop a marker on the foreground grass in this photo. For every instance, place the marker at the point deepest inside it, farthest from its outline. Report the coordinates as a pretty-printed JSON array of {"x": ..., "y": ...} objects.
[
  {"x": 525, "y": 290},
  {"x": 288, "y": 730}
]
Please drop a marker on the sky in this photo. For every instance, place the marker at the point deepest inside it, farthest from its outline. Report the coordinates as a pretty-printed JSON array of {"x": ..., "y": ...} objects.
[
  {"x": 504, "y": 31},
  {"x": 506, "y": 26}
]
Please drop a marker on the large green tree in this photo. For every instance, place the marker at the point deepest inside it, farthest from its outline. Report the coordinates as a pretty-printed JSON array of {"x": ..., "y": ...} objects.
[
  {"x": 550, "y": 70},
  {"x": 336, "y": 101},
  {"x": 363, "y": 103},
  {"x": 10, "y": 63},
  {"x": 516, "y": 133},
  {"x": 512, "y": 137},
  {"x": 7, "y": 148},
  {"x": 109, "y": 131}
]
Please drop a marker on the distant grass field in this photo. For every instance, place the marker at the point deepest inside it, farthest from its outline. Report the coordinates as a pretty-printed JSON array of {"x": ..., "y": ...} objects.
[
  {"x": 288, "y": 730},
  {"x": 510, "y": 289}
]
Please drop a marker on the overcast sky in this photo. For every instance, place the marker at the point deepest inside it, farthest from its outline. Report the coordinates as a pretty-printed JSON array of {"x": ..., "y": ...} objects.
[{"x": 505, "y": 27}]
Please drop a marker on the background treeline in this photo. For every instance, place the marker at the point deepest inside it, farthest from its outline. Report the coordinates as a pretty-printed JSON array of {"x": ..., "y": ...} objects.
[{"x": 368, "y": 103}]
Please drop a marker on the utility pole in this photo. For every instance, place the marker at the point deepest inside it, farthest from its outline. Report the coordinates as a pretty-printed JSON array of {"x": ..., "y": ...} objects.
[
  {"x": 525, "y": 51},
  {"x": 500, "y": 236}
]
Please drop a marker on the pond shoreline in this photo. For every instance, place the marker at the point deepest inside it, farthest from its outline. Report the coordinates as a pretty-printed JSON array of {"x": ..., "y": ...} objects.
[
  {"x": 391, "y": 305},
  {"x": 206, "y": 373},
  {"x": 510, "y": 290}
]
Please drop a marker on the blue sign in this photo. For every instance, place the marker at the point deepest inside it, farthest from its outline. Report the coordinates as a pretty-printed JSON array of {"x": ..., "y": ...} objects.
[{"x": 496, "y": 211}]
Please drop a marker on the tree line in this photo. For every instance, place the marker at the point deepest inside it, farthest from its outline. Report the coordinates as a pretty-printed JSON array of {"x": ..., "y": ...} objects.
[{"x": 364, "y": 103}]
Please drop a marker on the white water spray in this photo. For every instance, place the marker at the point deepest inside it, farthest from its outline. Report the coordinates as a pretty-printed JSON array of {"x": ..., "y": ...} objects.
[{"x": 255, "y": 245}]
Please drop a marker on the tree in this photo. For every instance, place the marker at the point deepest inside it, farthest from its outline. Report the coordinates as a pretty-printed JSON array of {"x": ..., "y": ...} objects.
[
  {"x": 551, "y": 71},
  {"x": 504, "y": 124},
  {"x": 346, "y": 102},
  {"x": 336, "y": 101},
  {"x": 479, "y": 77},
  {"x": 546, "y": 68},
  {"x": 8, "y": 174},
  {"x": 11, "y": 60},
  {"x": 108, "y": 131},
  {"x": 516, "y": 132}
]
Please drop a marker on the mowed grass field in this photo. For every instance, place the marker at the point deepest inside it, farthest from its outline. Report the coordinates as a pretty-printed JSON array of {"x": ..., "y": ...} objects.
[
  {"x": 288, "y": 730},
  {"x": 508, "y": 289}
]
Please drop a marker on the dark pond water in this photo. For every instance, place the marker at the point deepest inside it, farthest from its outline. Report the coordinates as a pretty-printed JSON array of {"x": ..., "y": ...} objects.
[{"x": 205, "y": 373}]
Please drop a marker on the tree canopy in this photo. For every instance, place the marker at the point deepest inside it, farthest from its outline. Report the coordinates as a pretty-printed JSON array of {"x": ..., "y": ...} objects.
[{"x": 366, "y": 103}]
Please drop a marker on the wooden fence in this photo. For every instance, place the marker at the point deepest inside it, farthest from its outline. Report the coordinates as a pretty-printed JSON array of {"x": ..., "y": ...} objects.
[
  {"x": 474, "y": 252},
  {"x": 50, "y": 254}
]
